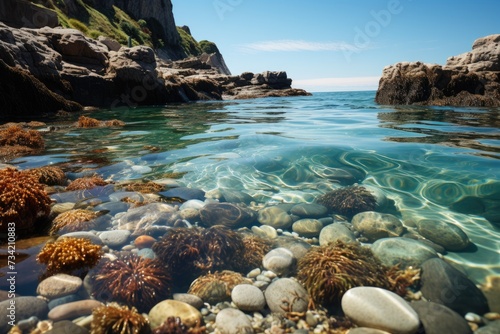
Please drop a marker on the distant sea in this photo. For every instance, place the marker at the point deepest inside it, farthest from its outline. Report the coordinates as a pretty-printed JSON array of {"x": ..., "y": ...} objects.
[{"x": 438, "y": 163}]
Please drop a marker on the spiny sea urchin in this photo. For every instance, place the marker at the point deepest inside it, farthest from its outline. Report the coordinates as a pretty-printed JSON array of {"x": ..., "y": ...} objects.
[
  {"x": 23, "y": 201},
  {"x": 74, "y": 220},
  {"x": 215, "y": 288},
  {"x": 132, "y": 280},
  {"x": 327, "y": 272},
  {"x": 193, "y": 251},
  {"x": 116, "y": 319},
  {"x": 67, "y": 254},
  {"x": 348, "y": 201}
]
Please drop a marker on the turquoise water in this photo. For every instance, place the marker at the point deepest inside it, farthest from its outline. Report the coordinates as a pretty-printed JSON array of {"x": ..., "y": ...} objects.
[{"x": 439, "y": 163}]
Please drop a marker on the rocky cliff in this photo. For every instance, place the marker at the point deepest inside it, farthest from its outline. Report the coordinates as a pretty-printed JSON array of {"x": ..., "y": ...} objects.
[
  {"x": 71, "y": 70},
  {"x": 469, "y": 79}
]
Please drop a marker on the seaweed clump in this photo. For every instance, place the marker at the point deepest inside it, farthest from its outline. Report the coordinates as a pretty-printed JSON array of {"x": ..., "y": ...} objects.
[
  {"x": 67, "y": 254},
  {"x": 74, "y": 220},
  {"x": 215, "y": 288},
  {"x": 348, "y": 201},
  {"x": 15, "y": 141},
  {"x": 83, "y": 183},
  {"x": 49, "y": 175},
  {"x": 89, "y": 122},
  {"x": 254, "y": 250},
  {"x": 132, "y": 280},
  {"x": 23, "y": 201},
  {"x": 327, "y": 272},
  {"x": 190, "y": 252},
  {"x": 114, "y": 318}
]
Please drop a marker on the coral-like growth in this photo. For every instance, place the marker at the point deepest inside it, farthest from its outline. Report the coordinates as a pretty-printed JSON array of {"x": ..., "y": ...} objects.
[
  {"x": 116, "y": 319},
  {"x": 144, "y": 187},
  {"x": 348, "y": 201},
  {"x": 15, "y": 135},
  {"x": 215, "y": 288},
  {"x": 49, "y": 175},
  {"x": 329, "y": 271},
  {"x": 23, "y": 201},
  {"x": 74, "y": 220},
  {"x": 68, "y": 254},
  {"x": 192, "y": 251},
  {"x": 254, "y": 250},
  {"x": 86, "y": 183},
  {"x": 132, "y": 280},
  {"x": 89, "y": 122}
]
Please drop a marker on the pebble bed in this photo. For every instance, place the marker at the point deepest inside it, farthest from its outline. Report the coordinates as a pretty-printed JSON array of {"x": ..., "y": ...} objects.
[{"x": 63, "y": 303}]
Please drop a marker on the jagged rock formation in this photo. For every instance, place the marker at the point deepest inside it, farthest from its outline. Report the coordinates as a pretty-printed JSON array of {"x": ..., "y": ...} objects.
[
  {"x": 469, "y": 79},
  {"x": 88, "y": 72},
  {"x": 22, "y": 13}
]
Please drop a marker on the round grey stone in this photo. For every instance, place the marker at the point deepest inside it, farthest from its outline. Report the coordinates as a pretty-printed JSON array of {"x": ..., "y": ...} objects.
[
  {"x": 307, "y": 227},
  {"x": 381, "y": 309},
  {"x": 279, "y": 260},
  {"x": 248, "y": 297},
  {"x": 403, "y": 251},
  {"x": 374, "y": 225},
  {"x": 275, "y": 217},
  {"x": 227, "y": 214},
  {"x": 438, "y": 319},
  {"x": 233, "y": 321},
  {"x": 450, "y": 236},
  {"x": 82, "y": 234},
  {"x": 265, "y": 231},
  {"x": 309, "y": 210},
  {"x": 115, "y": 238},
  {"x": 20, "y": 308},
  {"x": 286, "y": 295},
  {"x": 190, "y": 299},
  {"x": 63, "y": 300},
  {"x": 59, "y": 285},
  {"x": 336, "y": 232}
]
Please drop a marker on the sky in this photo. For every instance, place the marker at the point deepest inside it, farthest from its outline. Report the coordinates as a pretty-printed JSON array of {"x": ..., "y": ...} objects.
[{"x": 336, "y": 45}]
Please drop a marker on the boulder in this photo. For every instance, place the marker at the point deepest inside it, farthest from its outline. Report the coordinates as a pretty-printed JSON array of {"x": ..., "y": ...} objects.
[{"x": 469, "y": 79}]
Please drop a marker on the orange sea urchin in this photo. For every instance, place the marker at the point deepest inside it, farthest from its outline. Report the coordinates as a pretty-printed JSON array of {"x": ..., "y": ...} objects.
[
  {"x": 116, "y": 319},
  {"x": 74, "y": 220},
  {"x": 132, "y": 280}
]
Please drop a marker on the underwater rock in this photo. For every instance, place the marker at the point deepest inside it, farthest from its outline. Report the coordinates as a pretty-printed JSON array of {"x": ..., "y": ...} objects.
[
  {"x": 309, "y": 210},
  {"x": 381, "y": 309},
  {"x": 279, "y": 260},
  {"x": 450, "y": 236},
  {"x": 374, "y": 225},
  {"x": 174, "y": 308},
  {"x": 335, "y": 232},
  {"x": 115, "y": 238},
  {"x": 25, "y": 307},
  {"x": 227, "y": 214},
  {"x": 73, "y": 310},
  {"x": 403, "y": 251},
  {"x": 138, "y": 220},
  {"x": 58, "y": 286},
  {"x": 231, "y": 320},
  {"x": 438, "y": 319},
  {"x": 182, "y": 194},
  {"x": 307, "y": 227},
  {"x": 275, "y": 216},
  {"x": 248, "y": 297},
  {"x": 443, "y": 284},
  {"x": 286, "y": 295}
]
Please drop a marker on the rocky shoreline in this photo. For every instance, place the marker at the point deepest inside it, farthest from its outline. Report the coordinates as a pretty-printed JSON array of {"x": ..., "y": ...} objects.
[
  {"x": 471, "y": 79},
  {"x": 70, "y": 71}
]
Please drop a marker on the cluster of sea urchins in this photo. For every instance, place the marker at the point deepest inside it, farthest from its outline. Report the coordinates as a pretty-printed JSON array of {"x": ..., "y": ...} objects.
[
  {"x": 329, "y": 271},
  {"x": 23, "y": 201},
  {"x": 190, "y": 252},
  {"x": 348, "y": 201},
  {"x": 132, "y": 280}
]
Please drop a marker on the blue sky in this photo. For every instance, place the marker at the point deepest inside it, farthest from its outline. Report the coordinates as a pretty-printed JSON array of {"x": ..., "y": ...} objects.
[{"x": 332, "y": 45}]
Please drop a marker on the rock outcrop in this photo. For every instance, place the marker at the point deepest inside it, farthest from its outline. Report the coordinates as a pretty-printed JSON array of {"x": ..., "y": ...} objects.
[
  {"x": 469, "y": 79},
  {"x": 77, "y": 71},
  {"x": 22, "y": 13}
]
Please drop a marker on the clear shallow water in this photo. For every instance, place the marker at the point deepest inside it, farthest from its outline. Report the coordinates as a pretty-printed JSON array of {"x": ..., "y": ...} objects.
[{"x": 439, "y": 163}]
